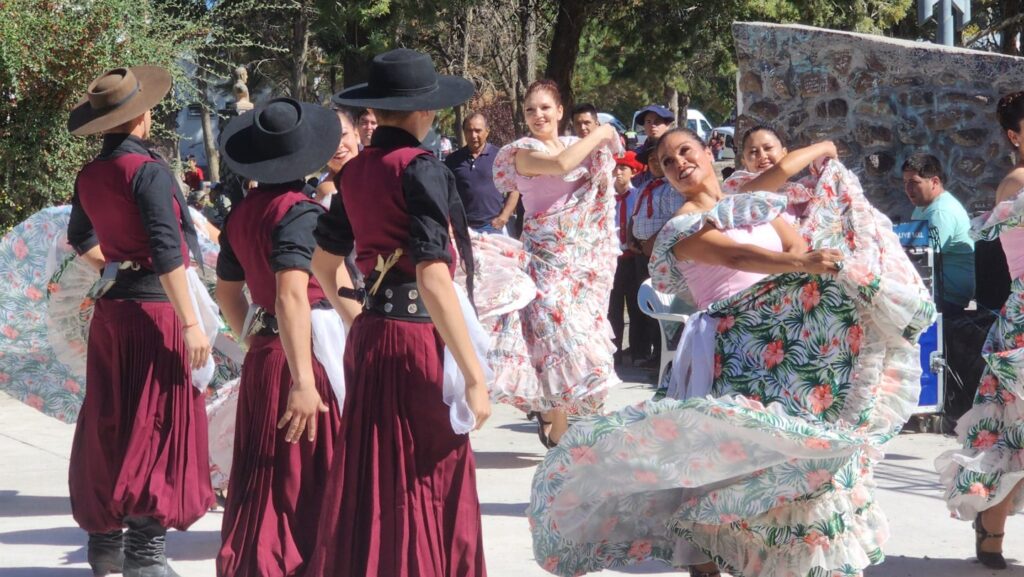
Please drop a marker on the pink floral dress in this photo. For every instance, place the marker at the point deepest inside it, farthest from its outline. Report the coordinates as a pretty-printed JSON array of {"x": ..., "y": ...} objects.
[
  {"x": 991, "y": 462},
  {"x": 545, "y": 300},
  {"x": 770, "y": 475}
]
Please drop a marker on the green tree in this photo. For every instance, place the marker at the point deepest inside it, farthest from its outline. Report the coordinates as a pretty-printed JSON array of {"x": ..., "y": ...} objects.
[{"x": 49, "y": 52}]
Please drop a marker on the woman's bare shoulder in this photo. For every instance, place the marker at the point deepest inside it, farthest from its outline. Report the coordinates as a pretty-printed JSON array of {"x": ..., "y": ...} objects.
[{"x": 1010, "y": 185}]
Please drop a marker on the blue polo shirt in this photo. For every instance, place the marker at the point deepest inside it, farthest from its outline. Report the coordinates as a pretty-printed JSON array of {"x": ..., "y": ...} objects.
[{"x": 474, "y": 179}]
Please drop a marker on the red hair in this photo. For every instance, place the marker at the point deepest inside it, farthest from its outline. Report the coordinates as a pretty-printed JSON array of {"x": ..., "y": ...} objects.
[{"x": 547, "y": 85}]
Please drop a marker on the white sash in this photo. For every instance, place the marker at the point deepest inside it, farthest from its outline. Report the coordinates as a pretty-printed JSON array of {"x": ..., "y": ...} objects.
[
  {"x": 208, "y": 316},
  {"x": 329, "y": 348},
  {"x": 694, "y": 363},
  {"x": 463, "y": 420}
]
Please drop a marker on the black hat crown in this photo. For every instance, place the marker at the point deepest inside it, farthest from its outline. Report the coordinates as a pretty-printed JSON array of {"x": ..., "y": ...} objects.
[
  {"x": 279, "y": 129},
  {"x": 402, "y": 72},
  {"x": 406, "y": 80}
]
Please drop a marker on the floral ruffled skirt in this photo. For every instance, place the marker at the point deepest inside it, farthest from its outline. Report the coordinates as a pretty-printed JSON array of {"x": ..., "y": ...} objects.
[{"x": 774, "y": 475}]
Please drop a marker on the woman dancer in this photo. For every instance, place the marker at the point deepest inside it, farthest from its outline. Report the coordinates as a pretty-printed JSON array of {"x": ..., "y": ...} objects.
[
  {"x": 139, "y": 457},
  {"x": 810, "y": 376},
  {"x": 402, "y": 498},
  {"x": 983, "y": 480},
  {"x": 277, "y": 478},
  {"x": 771, "y": 167},
  {"x": 348, "y": 148},
  {"x": 560, "y": 360}
]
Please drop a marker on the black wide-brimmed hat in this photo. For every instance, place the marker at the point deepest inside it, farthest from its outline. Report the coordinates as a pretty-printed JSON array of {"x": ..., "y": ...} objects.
[
  {"x": 281, "y": 141},
  {"x": 117, "y": 96},
  {"x": 405, "y": 80}
]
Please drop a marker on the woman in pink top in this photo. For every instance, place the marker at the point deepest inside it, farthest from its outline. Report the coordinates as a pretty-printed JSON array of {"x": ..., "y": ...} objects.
[
  {"x": 804, "y": 366},
  {"x": 983, "y": 480},
  {"x": 554, "y": 356}
]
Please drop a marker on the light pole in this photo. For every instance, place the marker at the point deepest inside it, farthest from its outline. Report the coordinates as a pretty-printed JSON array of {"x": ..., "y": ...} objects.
[{"x": 950, "y": 15}]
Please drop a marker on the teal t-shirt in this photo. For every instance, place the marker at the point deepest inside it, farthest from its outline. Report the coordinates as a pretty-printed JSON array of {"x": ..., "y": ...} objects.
[{"x": 949, "y": 219}]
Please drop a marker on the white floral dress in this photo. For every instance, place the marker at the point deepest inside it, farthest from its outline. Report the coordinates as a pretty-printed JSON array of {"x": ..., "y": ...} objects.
[
  {"x": 991, "y": 462},
  {"x": 545, "y": 300},
  {"x": 771, "y": 476}
]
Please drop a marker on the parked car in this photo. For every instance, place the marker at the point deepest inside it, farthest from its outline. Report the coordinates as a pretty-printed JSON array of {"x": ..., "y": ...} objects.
[
  {"x": 605, "y": 118},
  {"x": 695, "y": 121},
  {"x": 731, "y": 146}
]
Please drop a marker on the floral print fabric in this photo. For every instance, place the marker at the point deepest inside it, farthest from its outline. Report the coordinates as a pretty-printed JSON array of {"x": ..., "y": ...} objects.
[
  {"x": 772, "y": 476},
  {"x": 45, "y": 310},
  {"x": 545, "y": 301},
  {"x": 991, "y": 462}
]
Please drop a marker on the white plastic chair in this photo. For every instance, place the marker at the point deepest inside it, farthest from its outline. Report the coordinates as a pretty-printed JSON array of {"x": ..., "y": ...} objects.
[{"x": 660, "y": 306}]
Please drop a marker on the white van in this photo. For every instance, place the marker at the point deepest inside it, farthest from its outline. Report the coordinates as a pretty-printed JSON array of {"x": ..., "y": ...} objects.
[{"x": 695, "y": 121}]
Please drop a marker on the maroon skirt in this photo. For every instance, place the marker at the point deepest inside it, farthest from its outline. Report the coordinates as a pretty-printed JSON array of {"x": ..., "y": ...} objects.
[
  {"x": 140, "y": 445},
  {"x": 276, "y": 488},
  {"x": 401, "y": 500}
]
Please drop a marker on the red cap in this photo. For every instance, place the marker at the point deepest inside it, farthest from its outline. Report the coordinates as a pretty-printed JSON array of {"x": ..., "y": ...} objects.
[{"x": 629, "y": 159}]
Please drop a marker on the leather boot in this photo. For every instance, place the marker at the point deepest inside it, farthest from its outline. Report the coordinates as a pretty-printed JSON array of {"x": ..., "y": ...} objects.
[
  {"x": 106, "y": 553},
  {"x": 144, "y": 549}
]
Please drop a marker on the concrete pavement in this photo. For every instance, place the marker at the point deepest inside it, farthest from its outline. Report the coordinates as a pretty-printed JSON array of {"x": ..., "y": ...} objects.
[{"x": 38, "y": 537}]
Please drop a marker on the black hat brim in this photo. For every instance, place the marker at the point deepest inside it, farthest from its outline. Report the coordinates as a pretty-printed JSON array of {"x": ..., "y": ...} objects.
[
  {"x": 450, "y": 91},
  {"x": 236, "y": 147},
  {"x": 155, "y": 83}
]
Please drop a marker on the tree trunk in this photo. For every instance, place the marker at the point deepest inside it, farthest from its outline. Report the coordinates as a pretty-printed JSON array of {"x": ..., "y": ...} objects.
[
  {"x": 565, "y": 47},
  {"x": 672, "y": 98},
  {"x": 355, "y": 69},
  {"x": 528, "y": 50},
  {"x": 460, "y": 110},
  {"x": 1011, "y": 34},
  {"x": 300, "y": 51},
  {"x": 209, "y": 140}
]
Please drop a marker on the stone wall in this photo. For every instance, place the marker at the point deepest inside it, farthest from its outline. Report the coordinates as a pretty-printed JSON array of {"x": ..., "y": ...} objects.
[{"x": 880, "y": 100}]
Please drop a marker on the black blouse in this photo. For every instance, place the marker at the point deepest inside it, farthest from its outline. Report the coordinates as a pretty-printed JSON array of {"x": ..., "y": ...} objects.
[
  {"x": 149, "y": 187},
  {"x": 292, "y": 240}
]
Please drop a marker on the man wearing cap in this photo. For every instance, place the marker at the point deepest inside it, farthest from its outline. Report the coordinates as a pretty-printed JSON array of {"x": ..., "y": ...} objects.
[
  {"x": 402, "y": 499},
  {"x": 139, "y": 457},
  {"x": 656, "y": 120},
  {"x": 293, "y": 378},
  {"x": 487, "y": 209}
]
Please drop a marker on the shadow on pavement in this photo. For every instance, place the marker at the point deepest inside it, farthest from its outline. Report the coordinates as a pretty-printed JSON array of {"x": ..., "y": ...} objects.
[
  {"x": 496, "y": 460},
  {"x": 504, "y": 509},
  {"x": 59, "y": 536},
  {"x": 16, "y": 504},
  {"x": 192, "y": 545},
  {"x": 44, "y": 572},
  {"x": 901, "y": 566},
  {"x": 919, "y": 481}
]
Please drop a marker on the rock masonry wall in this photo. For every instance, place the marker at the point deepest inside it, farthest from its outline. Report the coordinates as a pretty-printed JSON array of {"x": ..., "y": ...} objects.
[{"x": 880, "y": 100}]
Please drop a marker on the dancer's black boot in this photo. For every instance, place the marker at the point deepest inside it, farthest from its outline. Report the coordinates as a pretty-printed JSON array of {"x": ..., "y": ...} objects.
[
  {"x": 144, "y": 554},
  {"x": 106, "y": 553}
]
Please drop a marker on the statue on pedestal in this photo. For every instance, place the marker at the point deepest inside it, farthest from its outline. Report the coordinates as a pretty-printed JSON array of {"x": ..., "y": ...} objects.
[{"x": 241, "y": 91}]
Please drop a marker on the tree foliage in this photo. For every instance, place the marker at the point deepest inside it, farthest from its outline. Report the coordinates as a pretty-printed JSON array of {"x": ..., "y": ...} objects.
[
  {"x": 618, "y": 55},
  {"x": 49, "y": 52}
]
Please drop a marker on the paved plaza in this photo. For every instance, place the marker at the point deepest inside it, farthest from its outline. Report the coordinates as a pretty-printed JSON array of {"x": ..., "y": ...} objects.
[{"x": 38, "y": 538}]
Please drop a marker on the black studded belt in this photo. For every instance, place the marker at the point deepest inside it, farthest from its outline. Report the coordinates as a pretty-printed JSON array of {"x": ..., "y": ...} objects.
[
  {"x": 400, "y": 301},
  {"x": 264, "y": 324}
]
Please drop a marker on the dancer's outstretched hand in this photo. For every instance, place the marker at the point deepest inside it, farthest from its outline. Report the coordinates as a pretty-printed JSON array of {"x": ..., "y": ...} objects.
[
  {"x": 304, "y": 404},
  {"x": 479, "y": 401}
]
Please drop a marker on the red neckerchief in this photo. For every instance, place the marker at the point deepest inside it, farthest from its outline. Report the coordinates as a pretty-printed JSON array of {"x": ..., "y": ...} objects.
[
  {"x": 648, "y": 193},
  {"x": 623, "y": 216}
]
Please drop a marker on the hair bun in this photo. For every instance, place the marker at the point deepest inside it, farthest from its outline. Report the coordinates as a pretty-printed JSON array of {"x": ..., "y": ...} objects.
[{"x": 1010, "y": 111}]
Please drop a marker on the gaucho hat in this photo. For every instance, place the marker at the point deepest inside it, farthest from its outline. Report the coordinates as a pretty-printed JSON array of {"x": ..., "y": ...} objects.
[
  {"x": 118, "y": 96},
  {"x": 405, "y": 80},
  {"x": 281, "y": 141}
]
